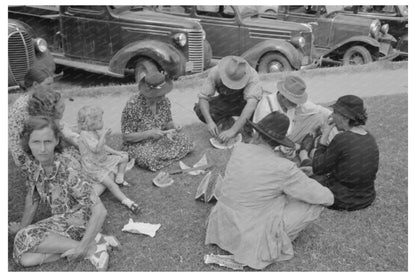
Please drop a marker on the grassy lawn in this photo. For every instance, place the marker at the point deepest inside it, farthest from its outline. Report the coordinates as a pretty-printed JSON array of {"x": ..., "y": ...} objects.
[{"x": 374, "y": 239}]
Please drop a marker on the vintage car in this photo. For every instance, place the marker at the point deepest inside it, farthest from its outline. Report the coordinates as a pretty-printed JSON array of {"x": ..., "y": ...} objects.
[
  {"x": 24, "y": 50},
  {"x": 268, "y": 45},
  {"x": 343, "y": 38},
  {"x": 395, "y": 16},
  {"x": 118, "y": 40}
]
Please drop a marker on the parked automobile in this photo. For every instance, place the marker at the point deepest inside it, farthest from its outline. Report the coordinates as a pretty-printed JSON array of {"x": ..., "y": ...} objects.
[
  {"x": 343, "y": 38},
  {"x": 268, "y": 45},
  {"x": 118, "y": 40},
  {"x": 395, "y": 16},
  {"x": 24, "y": 50}
]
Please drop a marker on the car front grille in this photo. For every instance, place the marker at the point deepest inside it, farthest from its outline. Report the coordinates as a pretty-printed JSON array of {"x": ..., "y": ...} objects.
[
  {"x": 21, "y": 56},
  {"x": 196, "y": 50}
]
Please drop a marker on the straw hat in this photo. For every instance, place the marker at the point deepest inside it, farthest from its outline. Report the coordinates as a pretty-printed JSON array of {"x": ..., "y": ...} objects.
[
  {"x": 234, "y": 72},
  {"x": 294, "y": 89}
]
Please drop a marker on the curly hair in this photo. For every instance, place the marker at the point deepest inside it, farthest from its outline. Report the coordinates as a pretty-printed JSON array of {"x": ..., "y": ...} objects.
[
  {"x": 38, "y": 123},
  {"x": 84, "y": 115},
  {"x": 360, "y": 119},
  {"x": 35, "y": 74},
  {"x": 44, "y": 103}
]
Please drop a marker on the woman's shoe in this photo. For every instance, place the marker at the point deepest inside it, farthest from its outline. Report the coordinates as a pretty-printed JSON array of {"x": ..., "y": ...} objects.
[
  {"x": 100, "y": 257},
  {"x": 108, "y": 240}
]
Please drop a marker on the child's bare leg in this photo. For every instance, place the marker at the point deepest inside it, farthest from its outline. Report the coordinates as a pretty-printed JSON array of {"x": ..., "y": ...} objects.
[
  {"x": 122, "y": 169},
  {"x": 115, "y": 190}
]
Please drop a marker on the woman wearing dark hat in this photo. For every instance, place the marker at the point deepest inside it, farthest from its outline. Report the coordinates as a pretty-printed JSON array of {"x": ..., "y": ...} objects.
[
  {"x": 149, "y": 133},
  {"x": 264, "y": 200},
  {"x": 349, "y": 163}
]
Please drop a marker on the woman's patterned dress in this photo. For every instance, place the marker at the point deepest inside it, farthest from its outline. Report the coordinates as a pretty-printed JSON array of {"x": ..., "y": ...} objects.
[
  {"x": 150, "y": 153},
  {"x": 70, "y": 197}
]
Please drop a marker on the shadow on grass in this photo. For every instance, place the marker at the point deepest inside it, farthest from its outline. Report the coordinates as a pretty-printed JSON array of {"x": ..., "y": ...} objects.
[{"x": 374, "y": 239}]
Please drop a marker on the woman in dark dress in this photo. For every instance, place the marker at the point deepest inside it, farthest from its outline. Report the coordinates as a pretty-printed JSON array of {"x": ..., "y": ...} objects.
[{"x": 348, "y": 165}]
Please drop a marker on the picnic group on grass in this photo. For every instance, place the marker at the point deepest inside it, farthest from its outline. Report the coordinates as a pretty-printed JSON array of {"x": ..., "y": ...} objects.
[{"x": 296, "y": 158}]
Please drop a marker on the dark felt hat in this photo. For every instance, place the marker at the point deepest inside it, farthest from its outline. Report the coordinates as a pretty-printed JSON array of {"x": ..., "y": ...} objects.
[
  {"x": 155, "y": 84},
  {"x": 274, "y": 126},
  {"x": 350, "y": 106}
]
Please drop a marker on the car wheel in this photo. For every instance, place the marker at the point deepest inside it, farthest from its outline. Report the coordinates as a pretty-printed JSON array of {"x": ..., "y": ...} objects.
[
  {"x": 143, "y": 67},
  {"x": 274, "y": 62},
  {"x": 357, "y": 55}
]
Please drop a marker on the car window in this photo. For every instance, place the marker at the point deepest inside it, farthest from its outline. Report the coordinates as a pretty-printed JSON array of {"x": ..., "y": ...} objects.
[
  {"x": 215, "y": 11},
  {"x": 91, "y": 10},
  {"x": 305, "y": 10},
  {"x": 175, "y": 9}
]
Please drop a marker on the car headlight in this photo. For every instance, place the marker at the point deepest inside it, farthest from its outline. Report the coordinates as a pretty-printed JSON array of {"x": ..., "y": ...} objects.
[
  {"x": 41, "y": 45},
  {"x": 298, "y": 41},
  {"x": 385, "y": 29},
  {"x": 375, "y": 28},
  {"x": 180, "y": 39}
]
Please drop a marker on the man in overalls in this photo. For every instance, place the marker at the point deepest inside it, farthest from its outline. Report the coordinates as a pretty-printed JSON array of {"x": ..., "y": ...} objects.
[{"x": 239, "y": 91}]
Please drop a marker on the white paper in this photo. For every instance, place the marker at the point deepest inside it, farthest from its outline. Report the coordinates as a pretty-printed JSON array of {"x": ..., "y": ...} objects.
[{"x": 141, "y": 228}]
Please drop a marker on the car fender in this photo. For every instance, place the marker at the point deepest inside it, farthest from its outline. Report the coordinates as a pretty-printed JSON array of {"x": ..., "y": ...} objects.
[
  {"x": 165, "y": 55},
  {"x": 354, "y": 40},
  {"x": 254, "y": 54}
]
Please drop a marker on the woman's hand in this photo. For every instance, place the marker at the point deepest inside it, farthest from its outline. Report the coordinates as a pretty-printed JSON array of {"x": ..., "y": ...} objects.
[
  {"x": 178, "y": 127},
  {"x": 14, "y": 227},
  {"x": 326, "y": 129},
  {"x": 213, "y": 129},
  {"x": 155, "y": 133},
  {"x": 75, "y": 253},
  {"x": 107, "y": 132}
]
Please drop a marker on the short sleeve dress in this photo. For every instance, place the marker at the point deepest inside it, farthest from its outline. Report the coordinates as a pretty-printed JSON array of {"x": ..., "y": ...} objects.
[
  {"x": 68, "y": 194},
  {"x": 97, "y": 164},
  {"x": 150, "y": 153}
]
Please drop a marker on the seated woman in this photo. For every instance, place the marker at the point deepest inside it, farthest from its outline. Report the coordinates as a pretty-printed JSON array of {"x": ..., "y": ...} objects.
[
  {"x": 264, "y": 200},
  {"x": 349, "y": 164},
  {"x": 77, "y": 212},
  {"x": 40, "y": 99},
  {"x": 149, "y": 134}
]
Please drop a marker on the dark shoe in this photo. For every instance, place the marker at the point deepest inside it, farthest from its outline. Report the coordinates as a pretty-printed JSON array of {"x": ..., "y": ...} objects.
[{"x": 306, "y": 162}]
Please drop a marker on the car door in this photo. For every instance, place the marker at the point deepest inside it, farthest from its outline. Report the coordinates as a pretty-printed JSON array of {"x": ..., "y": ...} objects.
[
  {"x": 222, "y": 29},
  {"x": 86, "y": 32}
]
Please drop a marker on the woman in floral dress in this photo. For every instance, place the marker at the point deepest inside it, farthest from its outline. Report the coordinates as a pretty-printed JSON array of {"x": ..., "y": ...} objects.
[
  {"x": 149, "y": 134},
  {"x": 77, "y": 212}
]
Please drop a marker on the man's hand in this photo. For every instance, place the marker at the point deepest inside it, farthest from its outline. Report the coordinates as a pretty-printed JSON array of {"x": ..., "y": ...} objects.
[
  {"x": 226, "y": 135},
  {"x": 14, "y": 227},
  {"x": 213, "y": 129}
]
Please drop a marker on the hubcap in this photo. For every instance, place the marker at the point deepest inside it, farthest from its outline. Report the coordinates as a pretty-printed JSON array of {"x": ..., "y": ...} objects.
[
  {"x": 275, "y": 66},
  {"x": 356, "y": 59}
]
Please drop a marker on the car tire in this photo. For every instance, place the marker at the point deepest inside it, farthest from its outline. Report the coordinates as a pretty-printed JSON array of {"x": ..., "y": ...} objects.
[
  {"x": 143, "y": 67},
  {"x": 274, "y": 62},
  {"x": 357, "y": 55}
]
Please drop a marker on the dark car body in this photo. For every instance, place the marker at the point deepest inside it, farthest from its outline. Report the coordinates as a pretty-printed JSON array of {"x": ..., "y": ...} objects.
[
  {"x": 395, "y": 16},
  {"x": 268, "y": 45},
  {"x": 24, "y": 52},
  {"x": 343, "y": 38},
  {"x": 117, "y": 40}
]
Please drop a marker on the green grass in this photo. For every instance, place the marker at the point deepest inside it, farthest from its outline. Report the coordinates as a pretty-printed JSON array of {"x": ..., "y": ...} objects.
[{"x": 374, "y": 239}]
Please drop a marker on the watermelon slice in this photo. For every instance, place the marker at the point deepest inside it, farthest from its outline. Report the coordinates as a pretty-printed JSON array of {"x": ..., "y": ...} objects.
[
  {"x": 230, "y": 144},
  {"x": 163, "y": 180}
]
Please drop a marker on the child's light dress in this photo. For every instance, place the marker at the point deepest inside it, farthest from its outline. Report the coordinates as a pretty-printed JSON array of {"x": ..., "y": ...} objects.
[{"x": 97, "y": 163}]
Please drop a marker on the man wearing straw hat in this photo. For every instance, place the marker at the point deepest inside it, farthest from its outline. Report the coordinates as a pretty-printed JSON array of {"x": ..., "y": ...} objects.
[
  {"x": 291, "y": 99},
  {"x": 239, "y": 91}
]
